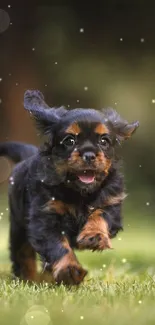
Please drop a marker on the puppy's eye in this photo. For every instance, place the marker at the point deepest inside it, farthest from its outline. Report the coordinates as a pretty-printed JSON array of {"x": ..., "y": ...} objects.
[
  {"x": 69, "y": 141},
  {"x": 104, "y": 142}
]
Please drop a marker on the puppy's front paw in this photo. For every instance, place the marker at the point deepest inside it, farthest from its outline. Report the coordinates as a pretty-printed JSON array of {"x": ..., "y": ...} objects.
[
  {"x": 95, "y": 233},
  {"x": 70, "y": 275},
  {"x": 93, "y": 241},
  {"x": 68, "y": 270}
]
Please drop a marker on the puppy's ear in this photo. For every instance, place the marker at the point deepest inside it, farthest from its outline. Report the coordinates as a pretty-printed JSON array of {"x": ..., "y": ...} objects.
[
  {"x": 122, "y": 129},
  {"x": 46, "y": 118}
]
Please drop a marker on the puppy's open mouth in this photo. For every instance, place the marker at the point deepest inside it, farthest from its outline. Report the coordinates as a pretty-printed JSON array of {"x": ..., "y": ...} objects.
[{"x": 86, "y": 176}]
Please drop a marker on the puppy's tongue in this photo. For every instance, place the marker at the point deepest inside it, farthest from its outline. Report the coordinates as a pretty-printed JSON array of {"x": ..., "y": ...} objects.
[{"x": 87, "y": 176}]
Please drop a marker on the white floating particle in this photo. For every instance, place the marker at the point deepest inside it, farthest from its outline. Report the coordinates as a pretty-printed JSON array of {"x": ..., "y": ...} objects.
[
  {"x": 62, "y": 310},
  {"x": 128, "y": 225},
  {"x": 1, "y": 79},
  {"x": 139, "y": 301},
  {"x": 17, "y": 83},
  {"x": 81, "y": 30},
  {"x": 46, "y": 310},
  {"x": 121, "y": 39},
  {"x": 33, "y": 48},
  {"x": 85, "y": 88},
  {"x": 91, "y": 208},
  {"x": 9, "y": 74},
  {"x": 45, "y": 85},
  {"x": 106, "y": 120},
  {"x": 153, "y": 101},
  {"x": 142, "y": 40},
  {"x": 7, "y": 209},
  {"x": 42, "y": 181},
  {"x": 119, "y": 238},
  {"x": 101, "y": 269},
  {"x": 10, "y": 23},
  {"x": 123, "y": 260},
  {"x": 140, "y": 166},
  {"x": 75, "y": 149},
  {"x": 55, "y": 62},
  {"x": 9, "y": 6},
  {"x": 77, "y": 100},
  {"x": 115, "y": 103},
  {"x": 2, "y": 213},
  {"x": 32, "y": 317},
  {"x": 0, "y": 101},
  {"x": 104, "y": 265},
  {"x": 63, "y": 232},
  {"x": 81, "y": 317},
  {"x": 60, "y": 142},
  {"x": 12, "y": 183},
  {"x": 53, "y": 198},
  {"x": 68, "y": 105},
  {"x": 68, "y": 180},
  {"x": 147, "y": 203}
]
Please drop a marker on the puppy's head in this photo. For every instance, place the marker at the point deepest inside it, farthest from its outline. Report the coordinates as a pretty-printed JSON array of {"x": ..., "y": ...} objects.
[{"x": 81, "y": 141}]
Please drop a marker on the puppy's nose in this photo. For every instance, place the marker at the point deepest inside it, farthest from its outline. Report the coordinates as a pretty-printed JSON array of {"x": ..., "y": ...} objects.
[{"x": 89, "y": 156}]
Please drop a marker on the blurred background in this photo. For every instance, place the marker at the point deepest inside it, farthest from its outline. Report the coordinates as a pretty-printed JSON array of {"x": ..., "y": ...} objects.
[{"x": 85, "y": 56}]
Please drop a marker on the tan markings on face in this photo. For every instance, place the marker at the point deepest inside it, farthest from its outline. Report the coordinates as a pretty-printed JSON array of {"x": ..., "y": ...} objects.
[
  {"x": 59, "y": 207},
  {"x": 95, "y": 233},
  {"x": 68, "y": 269},
  {"x": 101, "y": 129},
  {"x": 75, "y": 156},
  {"x": 101, "y": 160},
  {"x": 75, "y": 161},
  {"x": 73, "y": 129}
]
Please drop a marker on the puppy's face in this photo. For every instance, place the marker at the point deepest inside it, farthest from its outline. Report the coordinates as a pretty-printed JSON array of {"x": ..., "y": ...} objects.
[
  {"x": 82, "y": 141},
  {"x": 82, "y": 151}
]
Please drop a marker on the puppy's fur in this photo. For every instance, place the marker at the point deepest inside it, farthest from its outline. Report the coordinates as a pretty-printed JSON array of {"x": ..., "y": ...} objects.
[{"x": 69, "y": 193}]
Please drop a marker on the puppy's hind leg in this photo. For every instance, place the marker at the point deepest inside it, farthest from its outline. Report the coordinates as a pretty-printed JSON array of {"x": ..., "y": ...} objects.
[{"x": 22, "y": 255}]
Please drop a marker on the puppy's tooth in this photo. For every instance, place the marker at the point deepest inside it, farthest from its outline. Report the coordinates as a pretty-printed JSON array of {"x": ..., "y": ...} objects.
[{"x": 91, "y": 208}]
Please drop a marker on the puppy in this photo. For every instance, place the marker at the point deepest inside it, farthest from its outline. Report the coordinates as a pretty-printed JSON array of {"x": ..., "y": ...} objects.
[{"x": 69, "y": 193}]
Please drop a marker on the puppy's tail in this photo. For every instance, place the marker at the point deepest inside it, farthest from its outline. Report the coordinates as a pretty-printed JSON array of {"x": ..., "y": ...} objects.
[{"x": 17, "y": 151}]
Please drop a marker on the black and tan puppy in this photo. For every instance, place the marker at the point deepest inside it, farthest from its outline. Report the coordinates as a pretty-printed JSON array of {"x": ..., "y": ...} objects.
[{"x": 69, "y": 194}]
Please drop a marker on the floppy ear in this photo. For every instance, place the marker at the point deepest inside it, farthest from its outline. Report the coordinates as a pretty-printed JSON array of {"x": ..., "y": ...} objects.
[
  {"x": 45, "y": 117},
  {"x": 122, "y": 129}
]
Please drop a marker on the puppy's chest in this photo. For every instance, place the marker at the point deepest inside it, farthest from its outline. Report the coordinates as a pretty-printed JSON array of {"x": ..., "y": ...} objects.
[{"x": 73, "y": 215}]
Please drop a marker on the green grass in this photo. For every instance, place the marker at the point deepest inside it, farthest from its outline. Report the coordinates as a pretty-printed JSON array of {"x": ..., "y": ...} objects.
[{"x": 119, "y": 288}]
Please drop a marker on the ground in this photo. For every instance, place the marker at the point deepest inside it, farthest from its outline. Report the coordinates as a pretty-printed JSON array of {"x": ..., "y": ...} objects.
[{"x": 119, "y": 288}]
